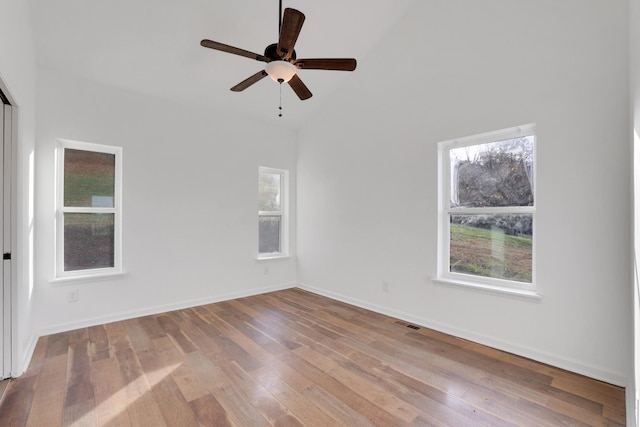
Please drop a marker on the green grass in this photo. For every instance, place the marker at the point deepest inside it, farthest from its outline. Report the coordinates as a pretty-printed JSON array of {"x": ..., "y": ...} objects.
[
  {"x": 490, "y": 253},
  {"x": 78, "y": 190},
  {"x": 87, "y": 174}
]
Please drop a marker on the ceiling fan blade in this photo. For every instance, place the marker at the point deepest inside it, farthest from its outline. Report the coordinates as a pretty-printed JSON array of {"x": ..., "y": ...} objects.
[
  {"x": 234, "y": 50},
  {"x": 300, "y": 88},
  {"x": 248, "y": 82},
  {"x": 291, "y": 25},
  {"x": 338, "y": 64}
]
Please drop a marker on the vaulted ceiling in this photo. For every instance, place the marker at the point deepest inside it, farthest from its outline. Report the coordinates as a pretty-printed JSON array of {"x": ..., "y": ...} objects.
[{"x": 153, "y": 46}]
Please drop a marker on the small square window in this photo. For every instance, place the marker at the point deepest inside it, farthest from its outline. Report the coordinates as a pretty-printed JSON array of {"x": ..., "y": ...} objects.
[
  {"x": 89, "y": 177},
  {"x": 270, "y": 231},
  {"x": 88, "y": 241}
]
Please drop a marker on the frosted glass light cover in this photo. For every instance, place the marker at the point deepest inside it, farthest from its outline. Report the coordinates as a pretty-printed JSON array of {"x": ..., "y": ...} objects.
[{"x": 278, "y": 70}]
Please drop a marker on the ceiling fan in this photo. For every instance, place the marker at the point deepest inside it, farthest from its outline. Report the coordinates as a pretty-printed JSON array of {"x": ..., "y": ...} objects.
[{"x": 280, "y": 58}]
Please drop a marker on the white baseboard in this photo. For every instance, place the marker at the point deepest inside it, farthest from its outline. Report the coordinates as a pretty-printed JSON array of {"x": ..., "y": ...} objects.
[
  {"x": 530, "y": 353},
  {"x": 146, "y": 311}
]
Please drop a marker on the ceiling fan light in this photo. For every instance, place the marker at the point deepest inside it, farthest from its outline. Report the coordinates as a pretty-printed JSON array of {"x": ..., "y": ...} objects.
[{"x": 280, "y": 71}]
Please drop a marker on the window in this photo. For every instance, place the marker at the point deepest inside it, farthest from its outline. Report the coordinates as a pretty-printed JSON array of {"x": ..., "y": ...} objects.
[
  {"x": 487, "y": 210},
  {"x": 272, "y": 213},
  {"x": 88, "y": 215}
]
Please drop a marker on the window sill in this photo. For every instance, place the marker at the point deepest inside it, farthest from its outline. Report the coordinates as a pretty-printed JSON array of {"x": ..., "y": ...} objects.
[
  {"x": 273, "y": 257},
  {"x": 72, "y": 280},
  {"x": 520, "y": 293}
]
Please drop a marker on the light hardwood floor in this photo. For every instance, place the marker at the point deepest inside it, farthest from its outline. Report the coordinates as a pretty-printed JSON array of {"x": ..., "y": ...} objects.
[{"x": 291, "y": 358}]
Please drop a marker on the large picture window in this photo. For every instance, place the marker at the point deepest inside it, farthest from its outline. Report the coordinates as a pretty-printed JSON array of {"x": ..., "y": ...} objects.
[
  {"x": 272, "y": 213},
  {"x": 88, "y": 209},
  {"x": 487, "y": 209}
]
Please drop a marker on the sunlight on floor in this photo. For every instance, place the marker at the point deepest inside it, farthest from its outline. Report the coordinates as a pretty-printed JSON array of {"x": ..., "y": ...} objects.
[{"x": 107, "y": 411}]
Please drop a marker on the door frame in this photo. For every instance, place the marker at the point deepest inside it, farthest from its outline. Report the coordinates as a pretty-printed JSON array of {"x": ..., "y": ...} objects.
[
  {"x": 8, "y": 283},
  {"x": 5, "y": 223}
]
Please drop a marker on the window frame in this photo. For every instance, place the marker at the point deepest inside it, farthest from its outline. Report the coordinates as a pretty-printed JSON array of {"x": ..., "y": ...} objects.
[
  {"x": 61, "y": 210},
  {"x": 444, "y": 275},
  {"x": 283, "y": 213}
]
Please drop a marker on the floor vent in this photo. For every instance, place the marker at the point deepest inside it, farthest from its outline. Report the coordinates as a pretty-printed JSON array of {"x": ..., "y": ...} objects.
[{"x": 413, "y": 327}]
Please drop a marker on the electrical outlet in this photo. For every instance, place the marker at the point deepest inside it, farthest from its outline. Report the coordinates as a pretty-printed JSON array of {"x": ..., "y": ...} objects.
[
  {"x": 385, "y": 286},
  {"x": 266, "y": 270},
  {"x": 73, "y": 296}
]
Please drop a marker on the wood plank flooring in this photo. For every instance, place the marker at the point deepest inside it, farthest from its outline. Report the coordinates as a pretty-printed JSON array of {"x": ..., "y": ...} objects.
[{"x": 292, "y": 358}]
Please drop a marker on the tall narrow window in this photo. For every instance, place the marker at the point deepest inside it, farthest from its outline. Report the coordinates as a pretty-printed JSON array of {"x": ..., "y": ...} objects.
[
  {"x": 487, "y": 209},
  {"x": 89, "y": 209},
  {"x": 272, "y": 213}
]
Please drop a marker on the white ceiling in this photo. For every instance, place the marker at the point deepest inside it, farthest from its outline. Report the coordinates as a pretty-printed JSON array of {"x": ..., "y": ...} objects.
[{"x": 153, "y": 46}]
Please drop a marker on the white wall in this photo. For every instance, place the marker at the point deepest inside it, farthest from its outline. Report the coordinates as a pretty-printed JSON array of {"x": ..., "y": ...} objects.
[
  {"x": 189, "y": 202},
  {"x": 367, "y": 174},
  {"x": 18, "y": 74}
]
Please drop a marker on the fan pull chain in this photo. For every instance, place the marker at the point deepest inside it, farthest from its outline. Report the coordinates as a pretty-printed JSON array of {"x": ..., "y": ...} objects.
[{"x": 280, "y": 107}]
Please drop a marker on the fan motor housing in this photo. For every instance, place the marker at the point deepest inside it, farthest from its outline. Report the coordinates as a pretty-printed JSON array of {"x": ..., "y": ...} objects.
[{"x": 271, "y": 52}]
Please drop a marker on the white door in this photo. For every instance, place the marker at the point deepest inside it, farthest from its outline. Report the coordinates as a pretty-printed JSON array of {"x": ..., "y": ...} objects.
[{"x": 5, "y": 238}]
